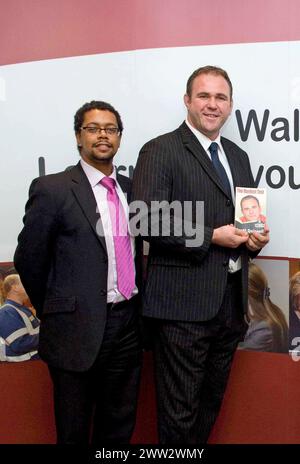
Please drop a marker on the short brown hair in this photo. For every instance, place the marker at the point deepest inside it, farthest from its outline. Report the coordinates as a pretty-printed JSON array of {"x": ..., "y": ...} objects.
[
  {"x": 207, "y": 70},
  {"x": 8, "y": 282}
]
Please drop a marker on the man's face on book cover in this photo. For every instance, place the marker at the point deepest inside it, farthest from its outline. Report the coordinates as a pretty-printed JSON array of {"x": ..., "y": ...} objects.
[{"x": 251, "y": 209}]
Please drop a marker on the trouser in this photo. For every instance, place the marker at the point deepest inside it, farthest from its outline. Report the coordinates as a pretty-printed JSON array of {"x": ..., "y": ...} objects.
[
  {"x": 99, "y": 405},
  {"x": 192, "y": 365}
]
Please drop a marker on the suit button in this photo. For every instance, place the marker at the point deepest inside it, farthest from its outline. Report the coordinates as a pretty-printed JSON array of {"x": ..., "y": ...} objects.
[
  {"x": 228, "y": 202},
  {"x": 103, "y": 292},
  {"x": 225, "y": 263}
]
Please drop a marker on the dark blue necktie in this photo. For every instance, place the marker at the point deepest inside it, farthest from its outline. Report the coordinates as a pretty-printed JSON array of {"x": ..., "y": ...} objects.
[{"x": 213, "y": 148}]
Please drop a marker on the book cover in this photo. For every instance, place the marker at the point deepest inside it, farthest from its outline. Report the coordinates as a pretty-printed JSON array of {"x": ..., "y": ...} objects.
[{"x": 250, "y": 209}]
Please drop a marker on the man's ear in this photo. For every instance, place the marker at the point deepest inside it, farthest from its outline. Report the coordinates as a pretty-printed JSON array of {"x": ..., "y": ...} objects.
[
  {"x": 186, "y": 100},
  {"x": 78, "y": 139}
]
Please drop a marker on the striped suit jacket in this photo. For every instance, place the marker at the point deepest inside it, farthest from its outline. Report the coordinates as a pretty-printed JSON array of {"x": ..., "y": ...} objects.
[{"x": 188, "y": 283}]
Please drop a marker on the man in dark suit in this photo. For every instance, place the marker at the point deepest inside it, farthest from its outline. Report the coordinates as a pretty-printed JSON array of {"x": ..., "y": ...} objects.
[
  {"x": 195, "y": 294},
  {"x": 81, "y": 280}
]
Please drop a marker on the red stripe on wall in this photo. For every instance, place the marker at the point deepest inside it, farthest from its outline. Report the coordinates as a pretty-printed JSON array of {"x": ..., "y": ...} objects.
[{"x": 40, "y": 29}]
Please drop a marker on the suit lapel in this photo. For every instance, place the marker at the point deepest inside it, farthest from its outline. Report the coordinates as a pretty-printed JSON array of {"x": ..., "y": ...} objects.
[
  {"x": 195, "y": 148},
  {"x": 86, "y": 199}
]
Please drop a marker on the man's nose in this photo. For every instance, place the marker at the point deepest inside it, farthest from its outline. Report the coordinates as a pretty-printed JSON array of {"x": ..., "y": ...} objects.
[
  {"x": 212, "y": 102},
  {"x": 101, "y": 132}
]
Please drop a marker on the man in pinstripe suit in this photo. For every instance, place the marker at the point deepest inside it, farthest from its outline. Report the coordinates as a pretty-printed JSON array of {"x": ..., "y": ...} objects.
[{"x": 195, "y": 296}]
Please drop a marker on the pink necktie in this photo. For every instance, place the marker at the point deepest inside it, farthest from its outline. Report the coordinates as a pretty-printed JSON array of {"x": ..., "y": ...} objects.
[{"x": 123, "y": 253}]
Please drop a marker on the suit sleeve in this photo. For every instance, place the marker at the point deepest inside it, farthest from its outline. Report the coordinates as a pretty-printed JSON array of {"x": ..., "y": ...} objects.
[
  {"x": 152, "y": 184},
  {"x": 35, "y": 243},
  {"x": 258, "y": 339}
]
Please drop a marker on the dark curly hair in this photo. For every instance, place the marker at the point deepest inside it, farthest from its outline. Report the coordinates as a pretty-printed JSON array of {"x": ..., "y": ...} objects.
[{"x": 95, "y": 105}]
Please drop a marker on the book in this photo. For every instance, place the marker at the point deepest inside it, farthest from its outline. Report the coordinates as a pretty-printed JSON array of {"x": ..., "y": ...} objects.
[{"x": 250, "y": 209}]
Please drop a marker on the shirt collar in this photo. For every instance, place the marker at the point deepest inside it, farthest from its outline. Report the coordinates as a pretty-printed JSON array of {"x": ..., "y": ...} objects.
[
  {"x": 94, "y": 175},
  {"x": 205, "y": 141},
  {"x": 8, "y": 301}
]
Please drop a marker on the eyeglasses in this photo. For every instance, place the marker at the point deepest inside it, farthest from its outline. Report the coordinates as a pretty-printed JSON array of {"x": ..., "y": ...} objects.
[{"x": 97, "y": 130}]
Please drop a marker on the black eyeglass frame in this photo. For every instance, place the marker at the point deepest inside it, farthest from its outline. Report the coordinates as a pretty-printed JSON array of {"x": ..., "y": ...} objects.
[{"x": 97, "y": 130}]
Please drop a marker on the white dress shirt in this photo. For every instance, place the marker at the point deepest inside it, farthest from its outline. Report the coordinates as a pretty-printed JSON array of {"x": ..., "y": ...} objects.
[
  {"x": 100, "y": 192},
  {"x": 206, "y": 142}
]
